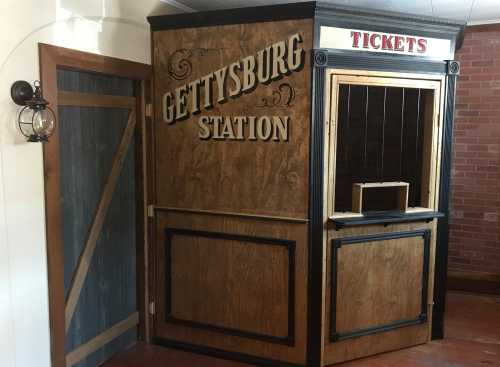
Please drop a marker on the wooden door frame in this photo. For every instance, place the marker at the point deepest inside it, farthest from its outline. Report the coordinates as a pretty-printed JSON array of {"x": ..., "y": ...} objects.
[{"x": 51, "y": 59}]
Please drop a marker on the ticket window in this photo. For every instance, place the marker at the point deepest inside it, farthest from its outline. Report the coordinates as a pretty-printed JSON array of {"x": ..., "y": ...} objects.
[
  {"x": 383, "y": 156},
  {"x": 384, "y": 138}
]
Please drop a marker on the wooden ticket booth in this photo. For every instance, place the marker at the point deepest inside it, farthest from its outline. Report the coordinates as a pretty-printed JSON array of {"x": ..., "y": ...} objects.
[{"x": 300, "y": 173}]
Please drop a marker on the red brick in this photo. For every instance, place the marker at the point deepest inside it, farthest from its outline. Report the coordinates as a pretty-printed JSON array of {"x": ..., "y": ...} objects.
[{"x": 475, "y": 188}]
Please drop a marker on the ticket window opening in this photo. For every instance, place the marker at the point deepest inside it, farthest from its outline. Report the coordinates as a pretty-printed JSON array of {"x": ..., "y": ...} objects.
[{"x": 385, "y": 145}]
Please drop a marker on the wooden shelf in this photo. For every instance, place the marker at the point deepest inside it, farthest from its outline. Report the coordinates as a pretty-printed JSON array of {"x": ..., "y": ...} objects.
[{"x": 384, "y": 218}]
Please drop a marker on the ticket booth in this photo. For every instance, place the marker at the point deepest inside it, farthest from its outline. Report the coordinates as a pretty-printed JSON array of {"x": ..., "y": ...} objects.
[{"x": 299, "y": 181}]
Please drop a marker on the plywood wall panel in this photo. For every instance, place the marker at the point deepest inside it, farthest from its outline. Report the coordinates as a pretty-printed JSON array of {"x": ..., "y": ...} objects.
[
  {"x": 264, "y": 303},
  {"x": 258, "y": 177},
  {"x": 378, "y": 283}
]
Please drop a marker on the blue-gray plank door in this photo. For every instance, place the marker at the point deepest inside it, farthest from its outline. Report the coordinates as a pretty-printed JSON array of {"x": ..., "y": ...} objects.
[{"x": 98, "y": 200}]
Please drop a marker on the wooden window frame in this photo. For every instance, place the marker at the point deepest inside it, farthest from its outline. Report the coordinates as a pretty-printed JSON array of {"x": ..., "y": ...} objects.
[
  {"x": 51, "y": 59},
  {"x": 430, "y": 178}
]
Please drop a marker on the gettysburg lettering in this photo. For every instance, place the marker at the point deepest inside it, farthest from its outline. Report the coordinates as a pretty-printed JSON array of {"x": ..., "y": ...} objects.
[{"x": 243, "y": 76}]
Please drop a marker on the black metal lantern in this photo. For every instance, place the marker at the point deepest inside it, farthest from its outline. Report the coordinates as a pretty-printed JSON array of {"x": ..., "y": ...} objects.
[{"x": 36, "y": 120}]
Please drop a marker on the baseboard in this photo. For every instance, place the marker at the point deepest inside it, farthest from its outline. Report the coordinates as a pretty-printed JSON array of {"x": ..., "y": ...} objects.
[{"x": 474, "y": 282}]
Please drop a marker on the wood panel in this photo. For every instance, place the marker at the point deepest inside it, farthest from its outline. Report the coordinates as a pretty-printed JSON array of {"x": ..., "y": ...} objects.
[
  {"x": 226, "y": 291},
  {"x": 386, "y": 287},
  {"x": 233, "y": 176},
  {"x": 240, "y": 187},
  {"x": 242, "y": 286},
  {"x": 371, "y": 278}
]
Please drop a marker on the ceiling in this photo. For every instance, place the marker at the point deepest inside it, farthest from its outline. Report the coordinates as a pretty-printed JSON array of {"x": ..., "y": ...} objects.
[{"x": 470, "y": 11}]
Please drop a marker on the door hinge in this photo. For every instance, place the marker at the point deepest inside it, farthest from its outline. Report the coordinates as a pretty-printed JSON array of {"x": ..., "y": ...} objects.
[
  {"x": 151, "y": 308},
  {"x": 149, "y": 110},
  {"x": 151, "y": 211}
]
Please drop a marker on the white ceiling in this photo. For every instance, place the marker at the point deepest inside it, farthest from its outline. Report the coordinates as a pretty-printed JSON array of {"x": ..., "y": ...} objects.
[{"x": 471, "y": 11}]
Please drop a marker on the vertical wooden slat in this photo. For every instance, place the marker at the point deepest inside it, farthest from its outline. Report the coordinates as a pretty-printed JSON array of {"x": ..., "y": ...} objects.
[
  {"x": 55, "y": 253},
  {"x": 96, "y": 227},
  {"x": 141, "y": 212}
]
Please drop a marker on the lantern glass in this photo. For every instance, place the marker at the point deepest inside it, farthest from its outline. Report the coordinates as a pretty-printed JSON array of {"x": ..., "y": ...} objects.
[
  {"x": 25, "y": 121},
  {"x": 43, "y": 123}
]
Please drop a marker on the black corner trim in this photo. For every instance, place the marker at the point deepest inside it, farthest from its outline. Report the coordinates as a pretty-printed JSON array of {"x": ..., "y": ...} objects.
[
  {"x": 220, "y": 353},
  {"x": 442, "y": 236},
  {"x": 452, "y": 67},
  {"x": 420, "y": 319},
  {"x": 316, "y": 219},
  {"x": 288, "y": 340},
  {"x": 389, "y": 218},
  {"x": 270, "y": 13}
]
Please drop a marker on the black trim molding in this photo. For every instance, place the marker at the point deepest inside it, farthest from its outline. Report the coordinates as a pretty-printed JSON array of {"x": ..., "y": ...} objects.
[
  {"x": 288, "y": 340},
  {"x": 441, "y": 263},
  {"x": 315, "y": 234},
  {"x": 385, "y": 219},
  {"x": 270, "y": 13},
  {"x": 336, "y": 244},
  {"x": 224, "y": 354}
]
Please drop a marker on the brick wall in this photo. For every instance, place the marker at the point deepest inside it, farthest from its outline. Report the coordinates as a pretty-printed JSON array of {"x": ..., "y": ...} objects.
[{"x": 475, "y": 195}]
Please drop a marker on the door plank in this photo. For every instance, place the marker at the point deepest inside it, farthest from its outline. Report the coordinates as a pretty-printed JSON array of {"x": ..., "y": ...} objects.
[
  {"x": 66, "y": 98},
  {"x": 95, "y": 229},
  {"x": 101, "y": 340}
]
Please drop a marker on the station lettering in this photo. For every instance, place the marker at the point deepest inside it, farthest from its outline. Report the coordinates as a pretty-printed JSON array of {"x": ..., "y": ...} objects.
[
  {"x": 230, "y": 82},
  {"x": 263, "y": 128}
]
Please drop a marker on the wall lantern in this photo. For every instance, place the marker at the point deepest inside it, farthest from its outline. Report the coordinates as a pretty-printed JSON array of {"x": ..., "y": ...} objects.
[{"x": 36, "y": 120}]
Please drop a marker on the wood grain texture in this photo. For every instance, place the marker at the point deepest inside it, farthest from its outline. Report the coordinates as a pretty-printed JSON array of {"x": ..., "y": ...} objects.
[
  {"x": 253, "y": 188},
  {"x": 217, "y": 269},
  {"x": 232, "y": 176},
  {"x": 226, "y": 279},
  {"x": 95, "y": 230},
  {"x": 380, "y": 283},
  {"x": 77, "y": 60},
  {"x": 55, "y": 252},
  {"x": 66, "y": 98}
]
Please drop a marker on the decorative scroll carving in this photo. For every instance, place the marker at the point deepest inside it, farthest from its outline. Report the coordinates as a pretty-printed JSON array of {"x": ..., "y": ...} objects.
[
  {"x": 179, "y": 65},
  {"x": 281, "y": 97},
  {"x": 179, "y": 62}
]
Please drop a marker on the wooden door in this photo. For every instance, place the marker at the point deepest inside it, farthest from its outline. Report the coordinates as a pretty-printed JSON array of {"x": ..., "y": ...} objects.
[{"x": 99, "y": 214}]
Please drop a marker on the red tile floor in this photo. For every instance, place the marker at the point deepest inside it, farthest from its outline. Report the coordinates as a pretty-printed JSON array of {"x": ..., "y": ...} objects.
[{"x": 472, "y": 340}]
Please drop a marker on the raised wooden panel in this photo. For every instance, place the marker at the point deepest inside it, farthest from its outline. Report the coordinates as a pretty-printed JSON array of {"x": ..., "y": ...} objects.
[
  {"x": 379, "y": 283},
  {"x": 240, "y": 176},
  {"x": 225, "y": 275},
  {"x": 237, "y": 284},
  {"x": 380, "y": 298}
]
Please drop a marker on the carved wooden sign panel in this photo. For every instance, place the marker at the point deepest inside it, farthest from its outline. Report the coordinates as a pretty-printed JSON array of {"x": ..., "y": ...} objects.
[
  {"x": 233, "y": 117},
  {"x": 229, "y": 82}
]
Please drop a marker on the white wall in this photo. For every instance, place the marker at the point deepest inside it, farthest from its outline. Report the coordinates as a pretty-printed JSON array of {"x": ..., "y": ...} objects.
[{"x": 110, "y": 27}]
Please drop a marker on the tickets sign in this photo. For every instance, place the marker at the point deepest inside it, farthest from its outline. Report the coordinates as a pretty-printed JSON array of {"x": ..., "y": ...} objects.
[{"x": 368, "y": 41}]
